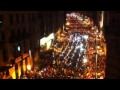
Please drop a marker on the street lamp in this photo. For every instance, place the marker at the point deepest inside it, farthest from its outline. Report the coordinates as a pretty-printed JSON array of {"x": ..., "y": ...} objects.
[{"x": 28, "y": 68}]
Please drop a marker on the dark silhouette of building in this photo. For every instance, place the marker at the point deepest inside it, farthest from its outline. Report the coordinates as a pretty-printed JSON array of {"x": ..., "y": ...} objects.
[
  {"x": 111, "y": 29},
  {"x": 51, "y": 21},
  {"x": 20, "y": 34},
  {"x": 112, "y": 35}
]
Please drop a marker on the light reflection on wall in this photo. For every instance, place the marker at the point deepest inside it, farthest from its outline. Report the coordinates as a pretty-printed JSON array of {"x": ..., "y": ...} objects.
[
  {"x": 12, "y": 72},
  {"x": 47, "y": 40},
  {"x": 19, "y": 70}
]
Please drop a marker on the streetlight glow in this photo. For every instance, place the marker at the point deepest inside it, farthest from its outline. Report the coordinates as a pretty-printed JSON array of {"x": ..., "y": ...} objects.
[{"x": 28, "y": 67}]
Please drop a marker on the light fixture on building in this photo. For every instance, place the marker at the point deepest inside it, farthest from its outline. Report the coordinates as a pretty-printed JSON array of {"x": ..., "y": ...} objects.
[{"x": 18, "y": 48}]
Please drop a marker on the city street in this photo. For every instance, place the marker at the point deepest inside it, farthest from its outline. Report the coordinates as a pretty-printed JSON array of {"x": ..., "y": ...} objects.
[{"x": 78, "y": 52}]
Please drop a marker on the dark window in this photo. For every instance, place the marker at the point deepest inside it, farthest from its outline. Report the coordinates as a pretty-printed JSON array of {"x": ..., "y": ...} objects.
[
  {"x": 1, "y": 20},
  {"x": 31, "y": 44},
  {"x": 23, "y": 18},
  {"x": 25, "y": 47},
  {"x": 12, "y": 36},
  {"x": 29, "y": 17},
  {"x": 33, "y": 17},
  {"x": 24, "y": 29},
  {"x": 18, "y": 32},
  {"x": 13, "y": 51},
  {"x": 17, "y": 18},
  {"x": 3, "y": 36},
  {"x": 11, "y": 19},
  {"x": 5, "y": 55},
  {"x": 12, "y": 33},
  {"x": 39, "y": 15}
]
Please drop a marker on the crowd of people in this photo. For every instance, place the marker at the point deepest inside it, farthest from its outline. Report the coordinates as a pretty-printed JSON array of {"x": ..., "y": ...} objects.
[{"x": 80, "y": 56}]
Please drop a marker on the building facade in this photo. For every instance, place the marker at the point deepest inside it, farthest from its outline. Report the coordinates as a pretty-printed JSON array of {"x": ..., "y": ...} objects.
[
  {"x": 18, "y": 39},
  {"x": 20, "y": 34},
  {"x": 112, "y": 35},
  {"x": 51, "y": 21}
]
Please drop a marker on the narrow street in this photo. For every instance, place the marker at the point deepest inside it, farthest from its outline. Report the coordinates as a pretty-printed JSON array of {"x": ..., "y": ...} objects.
[{"x": 78, "y": 52}]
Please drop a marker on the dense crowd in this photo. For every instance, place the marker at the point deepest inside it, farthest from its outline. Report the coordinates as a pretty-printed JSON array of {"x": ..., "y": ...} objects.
[
  {"x": 76, "y": 60},
  {"x": 77, "y": 54}
]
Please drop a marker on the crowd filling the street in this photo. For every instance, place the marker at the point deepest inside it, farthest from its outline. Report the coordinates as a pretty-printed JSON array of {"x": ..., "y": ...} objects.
[{"x": 78, "y": 51}]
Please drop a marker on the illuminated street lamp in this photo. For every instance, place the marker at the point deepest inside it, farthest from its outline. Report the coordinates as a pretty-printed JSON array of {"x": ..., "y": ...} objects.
[{"x": 28, "y": 67}]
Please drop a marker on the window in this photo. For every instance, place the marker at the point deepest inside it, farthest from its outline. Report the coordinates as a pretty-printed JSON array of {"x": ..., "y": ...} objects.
[
  {"x": 13, "y": 50},
  {"x": 1, "y": 20},
  {"x": 5, "y": 55},
  {"x": 31, "y": 44},
  {"x": 18, "y": 32},
  {"x": 33, "y": 17},
  {"x": 29, "y": 17},
  {"x": 17, "y": 18},
  {"x": 12, "y": 33},
  {"x": 11, "y": 19},
  {"x": 24, "y": 30},
  {"x": 3, "y": 36},
  {"x": 12, "y": 36},
  {"x": 25, "y": 47},
  {"x": 23, "y": 18}
]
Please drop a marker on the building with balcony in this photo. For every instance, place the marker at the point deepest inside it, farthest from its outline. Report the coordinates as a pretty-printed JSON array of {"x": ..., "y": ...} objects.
[{"x": 20, "y": 34}]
